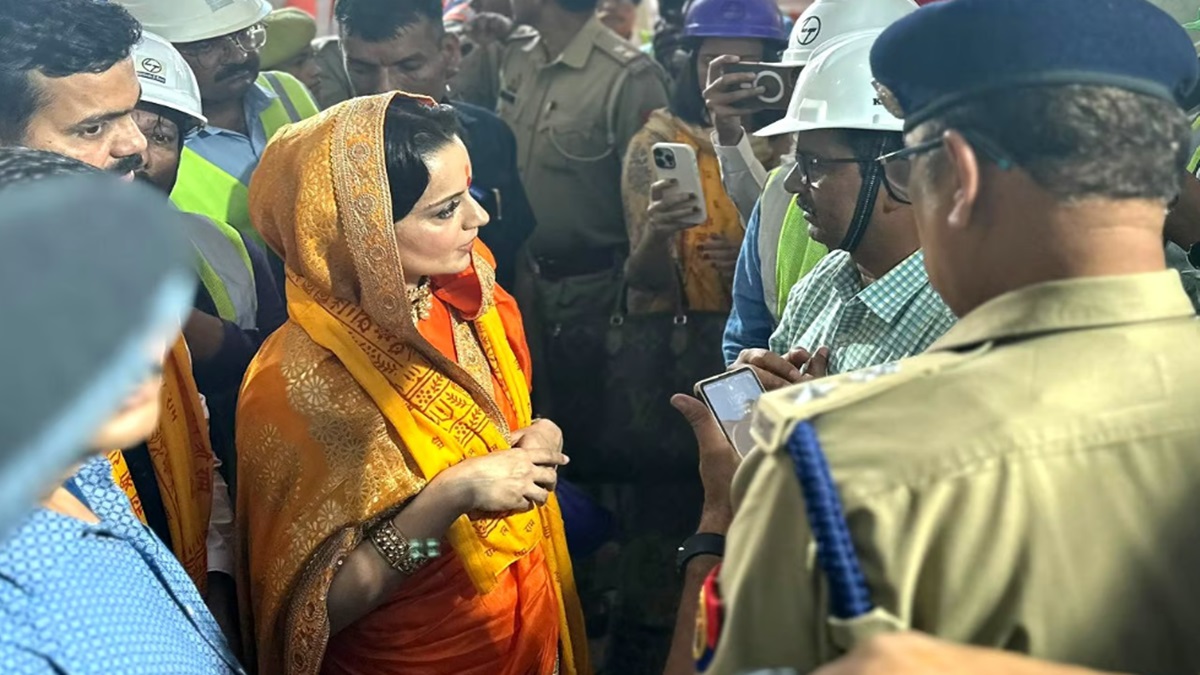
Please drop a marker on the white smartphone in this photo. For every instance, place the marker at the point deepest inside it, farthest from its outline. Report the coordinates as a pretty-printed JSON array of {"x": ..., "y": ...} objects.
[
  {"x": 678, "y": 161},
  {"x": 731, "y": 397}
]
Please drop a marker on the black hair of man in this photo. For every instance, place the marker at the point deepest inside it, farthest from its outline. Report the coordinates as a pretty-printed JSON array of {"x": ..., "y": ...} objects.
[
  {"x": 22, "y": 165},
  {"x": 57, "y": 38},
  {"x": 412, "y": 132},
  {"x": 1079, "y": 141},
  {"x": 380, "y": 20}
]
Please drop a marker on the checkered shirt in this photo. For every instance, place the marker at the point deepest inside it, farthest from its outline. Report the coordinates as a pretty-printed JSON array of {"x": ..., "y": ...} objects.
[{"x": 898, "y": 315}]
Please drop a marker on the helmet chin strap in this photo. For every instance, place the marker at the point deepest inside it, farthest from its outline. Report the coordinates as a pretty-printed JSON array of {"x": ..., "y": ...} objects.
[{"x": 866, "y": 204}]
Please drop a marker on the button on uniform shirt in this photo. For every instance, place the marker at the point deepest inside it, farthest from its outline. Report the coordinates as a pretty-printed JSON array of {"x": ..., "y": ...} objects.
[
  {"x": 105, "y": 598},
  {"x": 897, "y": 315},
  {"x": 1003, "y": 489},
  {"x": 573, "y": 117}
]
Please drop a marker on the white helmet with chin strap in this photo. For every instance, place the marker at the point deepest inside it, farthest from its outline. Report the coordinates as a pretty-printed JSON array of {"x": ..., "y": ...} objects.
[
  {"x": 182, "y": 21},
  {"x": 836, "y": 90},
  {"x": 825, "y": 20},
  {"x": 166, "y": 78}
]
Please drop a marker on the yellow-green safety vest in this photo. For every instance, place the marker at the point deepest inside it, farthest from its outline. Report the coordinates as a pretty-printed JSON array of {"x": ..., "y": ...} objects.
[
  {"x": 225, "y": 270},
  {"x": 206, "y": 189}
]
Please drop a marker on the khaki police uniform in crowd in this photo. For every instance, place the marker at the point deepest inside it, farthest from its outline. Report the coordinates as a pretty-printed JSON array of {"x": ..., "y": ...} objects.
[
  {"x": 1030, "y": 483},
  {"x": 573, "y": 117},
  {"x": 478, "y": 78}
]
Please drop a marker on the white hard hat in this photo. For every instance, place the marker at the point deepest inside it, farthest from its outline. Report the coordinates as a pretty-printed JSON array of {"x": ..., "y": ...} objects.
[
  {"x": 836, "y": 91},
  {"x": 183, "y": 21},
  {"x": 166, "y": 78},
  {"x": 827, "y": 19}
]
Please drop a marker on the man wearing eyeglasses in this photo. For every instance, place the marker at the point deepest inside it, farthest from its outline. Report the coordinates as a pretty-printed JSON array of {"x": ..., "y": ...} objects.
[
  {"x": 221, "y": 42},
  {"x": 869, "y": 301},
  {"x": 1004, "y": 489}
]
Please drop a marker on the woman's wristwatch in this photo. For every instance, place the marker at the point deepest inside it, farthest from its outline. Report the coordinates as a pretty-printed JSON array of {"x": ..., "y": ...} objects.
[
  {"x": 701, "y": 543},
  {"x": 402, "y": 555}
]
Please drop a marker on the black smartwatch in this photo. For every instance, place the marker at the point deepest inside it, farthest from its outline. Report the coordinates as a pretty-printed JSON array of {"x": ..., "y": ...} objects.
[{"x": 701, "y": 543}]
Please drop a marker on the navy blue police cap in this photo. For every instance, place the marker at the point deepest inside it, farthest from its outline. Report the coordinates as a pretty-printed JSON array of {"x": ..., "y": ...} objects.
[{"x": 949, "y": 52}]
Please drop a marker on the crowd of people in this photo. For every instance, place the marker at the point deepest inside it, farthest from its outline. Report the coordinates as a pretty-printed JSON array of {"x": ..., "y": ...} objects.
[{"x": 373, "y": 352}]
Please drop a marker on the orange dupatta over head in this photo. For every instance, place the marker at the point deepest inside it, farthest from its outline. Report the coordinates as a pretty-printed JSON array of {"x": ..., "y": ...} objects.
[{"x": 348, "y": 410}]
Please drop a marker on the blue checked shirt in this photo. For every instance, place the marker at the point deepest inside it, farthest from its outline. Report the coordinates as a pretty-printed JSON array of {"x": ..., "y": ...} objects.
[
  {"x": 896, "y": 316},
  {"x": 105, "y": 598}
]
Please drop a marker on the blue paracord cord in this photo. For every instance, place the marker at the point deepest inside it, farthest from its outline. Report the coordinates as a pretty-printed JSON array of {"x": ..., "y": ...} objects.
[{"x": 849, "y": 596}]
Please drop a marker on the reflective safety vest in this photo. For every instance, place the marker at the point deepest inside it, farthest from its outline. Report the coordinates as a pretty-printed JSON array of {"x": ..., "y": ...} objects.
[
  {"x": 206, "y": 189},
  {"x": 784, "y": 247},
  {"x": 225, "y": 270}
]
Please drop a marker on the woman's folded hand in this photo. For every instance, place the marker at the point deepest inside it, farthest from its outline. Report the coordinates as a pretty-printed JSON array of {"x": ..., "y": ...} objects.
[{"x": 503, "y": 482}]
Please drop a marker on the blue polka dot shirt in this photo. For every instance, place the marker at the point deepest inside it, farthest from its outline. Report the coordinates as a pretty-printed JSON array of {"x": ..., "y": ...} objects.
[{"x": 102, "y": 598}]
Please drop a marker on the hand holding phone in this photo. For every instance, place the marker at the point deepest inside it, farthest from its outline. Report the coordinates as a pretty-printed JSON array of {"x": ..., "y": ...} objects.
[
  {"x": 772, "y": 82},
  {"x": 731, "y": 397},
  {"x": 678, "y": 174}
]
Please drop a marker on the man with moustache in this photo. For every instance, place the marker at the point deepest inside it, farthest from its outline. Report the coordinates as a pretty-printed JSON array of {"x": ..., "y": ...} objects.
[
  {"x": 67, "y": 82},
  {"x": 869, "y": 301},
  {"x": 237, "y": 306},
  {"x": 402, "y": 44},
  {"x": 221, "y": 42}
]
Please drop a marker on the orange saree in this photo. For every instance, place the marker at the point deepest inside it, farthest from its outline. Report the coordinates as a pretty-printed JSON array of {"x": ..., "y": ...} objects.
[
  {"x": 350, "y": 409},
  {"x": 183, "y": 465}
]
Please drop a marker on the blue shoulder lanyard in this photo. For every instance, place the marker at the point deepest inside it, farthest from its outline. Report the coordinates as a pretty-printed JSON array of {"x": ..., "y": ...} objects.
[{"x": 849, "y": 596}]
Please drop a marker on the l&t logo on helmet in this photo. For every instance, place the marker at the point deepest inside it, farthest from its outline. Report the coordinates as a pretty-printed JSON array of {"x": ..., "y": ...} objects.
[
  {"x": 809, "y": 30},
  {"x": 151, "y": 69}
]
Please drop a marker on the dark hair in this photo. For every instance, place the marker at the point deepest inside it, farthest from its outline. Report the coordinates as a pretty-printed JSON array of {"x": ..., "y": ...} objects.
[
  {"x": 56, "y": 38},
  {"x": 22, "y": 165},
  {"x": 869, "y": 144},
  {"x": 578, "y": 6},
  {"x": 1079, "y": 141},
  {"x": 412, "y": 131},
  {"x": 687, "y": 97},
  {"x": 379, "y": 20}
]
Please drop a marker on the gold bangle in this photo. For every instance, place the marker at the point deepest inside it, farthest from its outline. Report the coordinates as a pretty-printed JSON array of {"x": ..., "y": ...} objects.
[{"x": 401, "y": 554}]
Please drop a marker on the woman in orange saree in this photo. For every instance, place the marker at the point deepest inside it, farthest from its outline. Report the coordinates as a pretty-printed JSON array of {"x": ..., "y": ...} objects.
[{"x": 393, "y": 407}]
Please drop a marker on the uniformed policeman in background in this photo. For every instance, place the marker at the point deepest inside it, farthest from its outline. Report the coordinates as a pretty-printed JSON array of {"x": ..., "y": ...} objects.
[
  {"x": 574, "y": 93},
  {"x": 1031, "y": 482}
]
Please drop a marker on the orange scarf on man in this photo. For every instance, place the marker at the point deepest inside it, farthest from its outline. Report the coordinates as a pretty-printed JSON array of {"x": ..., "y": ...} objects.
[{"x": 183, "y": 464}]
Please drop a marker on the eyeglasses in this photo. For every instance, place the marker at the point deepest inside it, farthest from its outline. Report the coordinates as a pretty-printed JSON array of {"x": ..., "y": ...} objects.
[
  {"x": 209, "y": 52},
  {"x": 813, "y": 168},
  {"x": 897, "y": 166}
]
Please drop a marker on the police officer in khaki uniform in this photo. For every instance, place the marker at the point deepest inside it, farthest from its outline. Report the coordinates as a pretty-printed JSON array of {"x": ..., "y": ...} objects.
[
  {"x": 1031, "y": 482},
  {"x": 574, "y": 93}
]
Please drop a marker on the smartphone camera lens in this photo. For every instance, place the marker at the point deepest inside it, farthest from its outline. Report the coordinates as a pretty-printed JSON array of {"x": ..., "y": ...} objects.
[{"x": 664, "y": 159}]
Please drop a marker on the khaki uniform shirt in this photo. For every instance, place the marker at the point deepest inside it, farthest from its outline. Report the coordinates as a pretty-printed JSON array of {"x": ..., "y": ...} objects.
[
  {"x": 1032, "y": 483},
  {"x": 573, "y": 117}
]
